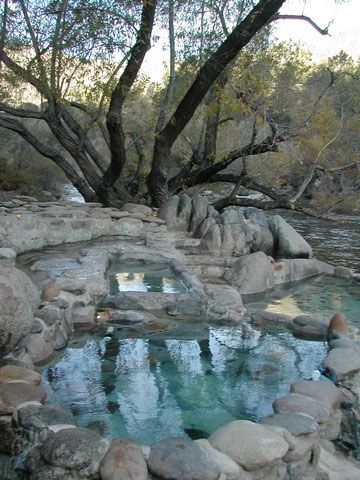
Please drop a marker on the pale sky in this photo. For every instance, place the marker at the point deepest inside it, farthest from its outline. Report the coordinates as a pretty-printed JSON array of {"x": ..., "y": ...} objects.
[{"x": 344, "y": 32}]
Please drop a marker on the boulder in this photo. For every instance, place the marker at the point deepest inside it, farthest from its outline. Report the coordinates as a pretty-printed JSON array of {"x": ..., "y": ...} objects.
[
  {"x": 180, "y": 459},
  {"x": 137, "y": 208},
  {"x": 74, "y": 448},
  {"x": 168, "y": 211},
  {"x": 337, "y": 466},
  {"x": 341, "y": 362},
  {"x": 184, "y": 211},
  {"x": 13, "y": 394},
  {"x": 249, "y": 444},
  {"x": 50, "y": 291},
  {"x": 322, "y": 390},
  {"x": 18, "y": 300},
  {"x": 36, "y": 416},
  {"x": 343, "y": 272},
  {"x": 338, "y": 323},
  {"x": 8, "y": 437},
  {"x": 39, "y": 347},
  {"x": 251, "y": 273},
  {"x": 295, "y": 402},
  {"x": 296, "y": 423},
  {"x": 199, "y": 211},
  {"x": 123, "y": 461},
  {"x": 225, "y": 464},
  {"x": 288, "y": 243},
  {"x": 13, "y": 373},
  {"x": 7, "y": 254}
]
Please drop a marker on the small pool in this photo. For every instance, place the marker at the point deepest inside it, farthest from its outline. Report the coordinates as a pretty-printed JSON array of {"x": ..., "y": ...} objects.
[
  {"x": 187, "y": 381},
  {"x": 143, "y": 277},
  {"x": 320, "y": 297}
]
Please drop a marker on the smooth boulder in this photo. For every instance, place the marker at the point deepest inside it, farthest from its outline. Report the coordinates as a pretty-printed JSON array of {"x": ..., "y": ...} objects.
[
  {"x": 288, "y": 242},
  {"x": 123, "y": 461},
  {"x": 180, "y": 459},
  {"x": 249, "y": 444},
  {"x": 18, "y": 300}
]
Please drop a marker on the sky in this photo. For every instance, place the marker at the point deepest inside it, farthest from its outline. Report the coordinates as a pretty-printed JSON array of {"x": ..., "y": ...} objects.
[{"x": 344, "y": 32}]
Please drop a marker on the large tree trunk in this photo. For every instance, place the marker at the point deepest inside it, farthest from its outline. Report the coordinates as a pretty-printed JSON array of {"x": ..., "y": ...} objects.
[
  {"x": 112, "y": 184},
  {"x": 213, "y": 102},
  {"x": 213, "y": 67}
]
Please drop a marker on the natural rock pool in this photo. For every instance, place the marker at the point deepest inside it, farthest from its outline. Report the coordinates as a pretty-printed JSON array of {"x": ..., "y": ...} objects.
[
  {"x": 143, "y": 277},
  {"x": 319, "y": 297},
  {"x": 188, "y": 380}
]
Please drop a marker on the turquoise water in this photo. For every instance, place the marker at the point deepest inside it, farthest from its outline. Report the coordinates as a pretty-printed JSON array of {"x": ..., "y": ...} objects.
[
  {"x": 189, "y": 380},
  {"x": 320, "y": 297},
  {"x": 143, "y": 277}
]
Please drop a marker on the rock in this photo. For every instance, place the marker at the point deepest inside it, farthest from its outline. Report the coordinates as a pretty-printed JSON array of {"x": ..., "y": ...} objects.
[
  {"x": 338, "y": 323},
  {"x": 13, "y": 373},
  {"x": 123, "y": 461},
  {"x": 49, "y": 314},
  {"x": 251, "y": 274},
  {"x": 168, "y": 211},
  {"x": 9, "y": 443},
  {"x": 323, "y": 391},
  {"x": 249, "y": 444},
  {"x": 39, "y": 347},
  {"x": 211, "y": 241},
  {"x": 37, "y": 417},
  {"x": 300, "y": 447},
  {"x": 300, "y": 403},
  {"x": 137, "y": 208},
  {"x": 296, "y": 423},
  {"x": 37, "y": 325},
  {"x": 131, "y": 227},
  {"x": 341, "y": 362},
  {"x": 50, "y": 291},
  {"x": 199, "y": 211},
  {"x": 7, "y": 254},
  {"x": 7, "y": 468},
  {"x": 13, "y": 394},
  {"x": 184, "y": 211},
  {"x": 288, "y": 243},
  {"x": 74, "y": 448},
  {"x": 222, "y": 462},
  {"x": 337, "y": 466},
  {"x": 18, "y": 300},
  {"x": 331, "y": 429},
  {"x": 343, "y": 272},
  {"x": 310, "y": 328},
  {"x": 180, "y": 459},
  {"x": 20, "y": 358}
]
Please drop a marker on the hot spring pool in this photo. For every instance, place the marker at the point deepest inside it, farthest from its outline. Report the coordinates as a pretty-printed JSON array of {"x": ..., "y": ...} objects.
[
  {"x": 319, "y": 297},
  {"x": 191, "y": 378},
  {"x": 136, "y": 276},
  {"x": 187, "y": 381}
]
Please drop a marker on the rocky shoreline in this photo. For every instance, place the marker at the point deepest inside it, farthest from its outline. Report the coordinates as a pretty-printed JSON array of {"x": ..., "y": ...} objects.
[{"x": 218, "y": 257}]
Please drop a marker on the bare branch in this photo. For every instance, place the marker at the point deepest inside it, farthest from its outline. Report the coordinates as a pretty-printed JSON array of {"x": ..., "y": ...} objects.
[{"x": 322, "y": 31}]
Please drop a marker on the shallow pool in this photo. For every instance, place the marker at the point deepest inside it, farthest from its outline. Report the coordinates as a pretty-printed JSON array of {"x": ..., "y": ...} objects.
[
  {"x": 189, "y": 380},
  {"x": 320, "y": 297},
  {"x": 143, "y": 277}
]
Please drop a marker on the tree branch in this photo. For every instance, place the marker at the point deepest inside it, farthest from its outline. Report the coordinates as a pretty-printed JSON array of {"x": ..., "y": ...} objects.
[
  {"x": 20, "y": 112},
  {"x": 322, "y": 31},
  {"x": 48, "y": 152}
]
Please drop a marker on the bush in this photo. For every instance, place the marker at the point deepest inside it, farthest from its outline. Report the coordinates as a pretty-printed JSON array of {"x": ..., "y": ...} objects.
[{"x": 11, "y": 179}]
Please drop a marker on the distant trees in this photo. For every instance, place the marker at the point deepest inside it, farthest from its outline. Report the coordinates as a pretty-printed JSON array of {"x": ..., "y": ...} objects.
[{"x": 82, "y": 60}]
